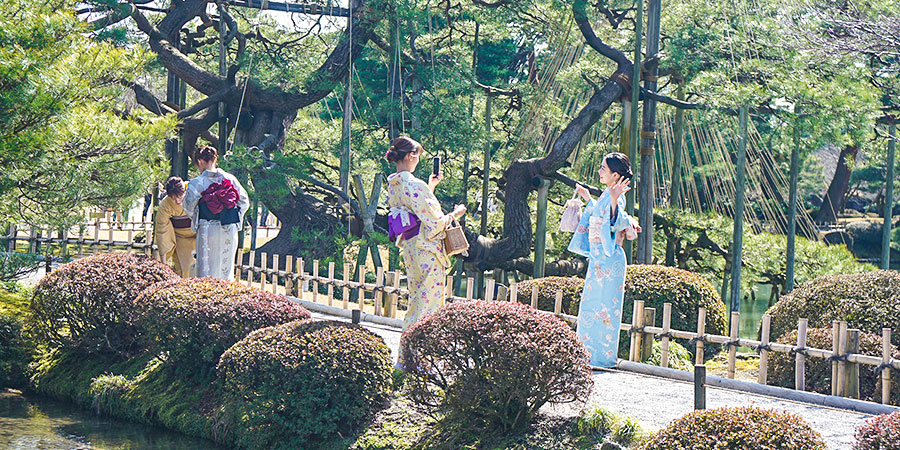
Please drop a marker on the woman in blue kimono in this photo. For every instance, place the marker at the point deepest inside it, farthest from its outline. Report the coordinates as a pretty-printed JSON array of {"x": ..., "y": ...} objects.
[{"x": 603, "y": 226}]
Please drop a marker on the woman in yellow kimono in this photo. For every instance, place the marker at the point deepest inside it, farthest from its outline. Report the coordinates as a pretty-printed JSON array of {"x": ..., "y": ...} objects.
[
  {"x": 417, "y": 214},
  {"x": 174, "y": 237}
]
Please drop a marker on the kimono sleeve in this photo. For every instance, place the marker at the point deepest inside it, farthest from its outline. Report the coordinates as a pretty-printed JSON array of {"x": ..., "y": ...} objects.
[
  {"x": 579, "y": 243},
  {"x": 192, "y": 198},
  {"x": 622, "y": 219},
  {"x": 422, "y": 202},
  {"x": 243, "y": 203},
  {"x": 165, "y": 232}
]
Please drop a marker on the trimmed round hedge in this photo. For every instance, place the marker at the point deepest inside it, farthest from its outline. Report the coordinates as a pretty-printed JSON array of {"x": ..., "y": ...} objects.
[
  {"x": 88, "y": 304},
  {"x": 197, "y": 319},
  {"x": 741, "y": 428},
  {"x": 868, "y": 301},
  {"x": 303, "y": 382},
  {"x": 495, "y": 363},
  {"x": 818, "y": 370},
  {"x": 655, "y": 285},
  {"x": 879, "y": 433}
]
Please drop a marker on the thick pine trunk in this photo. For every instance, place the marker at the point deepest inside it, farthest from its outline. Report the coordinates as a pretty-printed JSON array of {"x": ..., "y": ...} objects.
[
  {"x": 521, "y": 178},
  {"x": 834, "y": 197}
]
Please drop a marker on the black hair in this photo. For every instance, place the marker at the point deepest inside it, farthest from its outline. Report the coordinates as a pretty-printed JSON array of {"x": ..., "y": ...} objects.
[
  {"x": 618, "y": 163},
  {"x": 174, "y": 186},
  {"x": 206, "y": 153},
  {"x": 401, "y": 147}
]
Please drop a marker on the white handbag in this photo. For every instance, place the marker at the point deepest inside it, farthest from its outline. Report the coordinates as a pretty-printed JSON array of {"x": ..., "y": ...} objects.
[{"x": 572, "y": 215}]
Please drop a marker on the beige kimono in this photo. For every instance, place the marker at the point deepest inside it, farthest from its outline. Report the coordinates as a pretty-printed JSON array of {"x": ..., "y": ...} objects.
[{"x": 176, "y": 243}]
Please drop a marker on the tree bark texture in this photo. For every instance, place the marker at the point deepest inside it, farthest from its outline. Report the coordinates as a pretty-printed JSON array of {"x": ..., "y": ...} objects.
[{"x": 834, "y": 197}]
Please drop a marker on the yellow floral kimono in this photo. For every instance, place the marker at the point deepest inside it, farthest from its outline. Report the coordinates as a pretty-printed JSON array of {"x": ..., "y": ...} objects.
[
  {"x": 423, "y": 254},
  {"x": 175, "y": 243}
]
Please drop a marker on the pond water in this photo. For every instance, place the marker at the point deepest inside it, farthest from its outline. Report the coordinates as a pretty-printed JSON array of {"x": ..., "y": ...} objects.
[
  {"x": 752, "y": 311},
  {"x": 35, "y": 423}
]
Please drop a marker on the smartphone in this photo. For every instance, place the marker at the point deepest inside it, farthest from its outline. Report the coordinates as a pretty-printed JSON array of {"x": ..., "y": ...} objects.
[{"x": 436, "y": 166}]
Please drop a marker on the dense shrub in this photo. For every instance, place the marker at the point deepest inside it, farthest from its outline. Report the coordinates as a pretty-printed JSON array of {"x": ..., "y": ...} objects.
[
  {"x": 305, "y": 381},
  {"x": 680, "y": 358},
  {"x": 89, "y": 303},
  {"x": 879, "y": 433},
  {"x": 742, "y": 428},
  {"x": 868, "y": 301},
  {"x": 495, "y": 363},
  {"x": 818, "y": 370},
  {"x": 571, "y": 288},
  {"x": 197, "y": 319},
  {"x": 686, "y": 291}
]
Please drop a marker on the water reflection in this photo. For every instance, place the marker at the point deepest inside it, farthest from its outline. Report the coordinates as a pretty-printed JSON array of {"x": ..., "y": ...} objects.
[{"x": 33, "y": 423}]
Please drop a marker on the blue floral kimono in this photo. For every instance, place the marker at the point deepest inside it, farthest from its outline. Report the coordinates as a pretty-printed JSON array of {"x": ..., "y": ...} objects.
[{"x": 600, "y": 311}]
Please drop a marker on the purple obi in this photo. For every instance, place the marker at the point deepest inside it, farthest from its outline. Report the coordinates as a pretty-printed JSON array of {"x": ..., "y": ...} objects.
[{"x": 402, "y": 223}]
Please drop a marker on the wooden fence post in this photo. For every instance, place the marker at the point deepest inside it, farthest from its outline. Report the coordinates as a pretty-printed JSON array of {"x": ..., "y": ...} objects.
[
  {"x": 264, "y": 275},
  {"x": 732, "y": 347},
  {"x": 534, "y": 296},
  {"x": 470, "y": 288},
  {"x": 315, "y": 283},
  {"x": 886, "y": 372},
  {"x": 835, "y": 351},
  {"x": 330, "y": 283},
  {"x": 379, "y": 294},
  {"x": 489, "y": 289},
  {"x": 851, "y": 380},
  {"x": 298, "y": 283},
  {"x": 514, "y": 293},
  {"x": 701, "y": 333},
  {"x": 361, "y": 291},
  {"x": 664, "y": 342},
  {"x": 289, "y": 275},
  {"x": 800, "y": 361},
  {"x": 304, "y": 283},
  {"x": 345, "y": 290},
  {"x": 95, "y": 247},
  {"x": 637, "y": 316},
  {"x": 250, "y": 268},
  {"x": 80, "y": 241},
  {"x": 557, "y": 305},
  {"x": 395, "y": 296},
  {"x": 699, "y": 386},
  {"x": 502, "y": 293},
  {"x": 275, "y": 273},
  {"x": 647, "y": 338}
]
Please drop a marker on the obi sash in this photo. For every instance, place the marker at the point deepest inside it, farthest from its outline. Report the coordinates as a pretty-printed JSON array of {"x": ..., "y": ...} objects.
[
  {"x": 180, "y": 221},
  {"x": 402, "y": 223},
  {"x": 219, "y": 202}
]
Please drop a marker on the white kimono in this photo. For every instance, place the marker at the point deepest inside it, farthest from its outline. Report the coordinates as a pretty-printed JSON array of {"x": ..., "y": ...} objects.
[{"x": 216, "y": 243}]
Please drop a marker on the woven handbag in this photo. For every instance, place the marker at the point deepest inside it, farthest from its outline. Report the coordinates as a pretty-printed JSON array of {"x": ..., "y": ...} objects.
[{"x": 455, "y": 240}]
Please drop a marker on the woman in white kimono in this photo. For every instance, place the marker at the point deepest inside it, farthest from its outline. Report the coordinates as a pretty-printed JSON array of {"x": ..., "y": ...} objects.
[{"x": 216, "y": 203}]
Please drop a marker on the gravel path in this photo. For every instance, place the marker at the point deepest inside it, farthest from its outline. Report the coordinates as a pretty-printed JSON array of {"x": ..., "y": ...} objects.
[{"x": 654, "y": 402}]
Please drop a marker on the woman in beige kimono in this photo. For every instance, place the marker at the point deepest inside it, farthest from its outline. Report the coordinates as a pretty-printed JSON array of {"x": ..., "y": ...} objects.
[
  {"x": 422, "y": 226},
  {"x": 174, "y": 237}
]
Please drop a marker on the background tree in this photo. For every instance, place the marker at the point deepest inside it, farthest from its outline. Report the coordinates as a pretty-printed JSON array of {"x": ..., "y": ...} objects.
[{"x": 66, "y": 141}]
